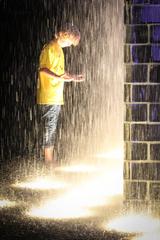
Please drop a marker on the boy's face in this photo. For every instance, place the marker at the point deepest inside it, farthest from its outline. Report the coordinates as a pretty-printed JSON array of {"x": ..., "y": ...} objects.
[{"x": 68, "y": 40}]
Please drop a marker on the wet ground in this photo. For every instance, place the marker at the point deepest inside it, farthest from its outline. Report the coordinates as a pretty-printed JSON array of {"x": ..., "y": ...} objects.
[{"x": 15, "y": 224}]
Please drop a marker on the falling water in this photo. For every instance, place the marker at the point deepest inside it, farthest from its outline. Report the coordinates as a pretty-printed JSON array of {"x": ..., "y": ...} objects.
[
  {"x": 91, "y": 122},
  {"x": 93, "y": 110},
  {"x": 91, "y": 119}
]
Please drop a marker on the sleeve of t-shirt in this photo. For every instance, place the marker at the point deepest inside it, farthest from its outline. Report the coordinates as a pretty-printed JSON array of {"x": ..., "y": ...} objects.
[
  {"x": 52, "y": 58},
  {"x": 48, "y": 58}
]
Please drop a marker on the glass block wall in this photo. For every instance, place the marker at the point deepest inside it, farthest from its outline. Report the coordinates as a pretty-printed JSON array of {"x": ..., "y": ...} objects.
[{"x": 142, "y": 104}]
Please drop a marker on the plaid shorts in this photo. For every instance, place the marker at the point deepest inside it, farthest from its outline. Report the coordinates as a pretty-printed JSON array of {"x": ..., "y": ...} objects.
[{"x": 48, "y": 118}]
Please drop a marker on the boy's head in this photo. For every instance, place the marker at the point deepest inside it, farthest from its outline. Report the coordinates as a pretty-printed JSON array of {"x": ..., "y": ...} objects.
[{"x": 68, "y": 35}]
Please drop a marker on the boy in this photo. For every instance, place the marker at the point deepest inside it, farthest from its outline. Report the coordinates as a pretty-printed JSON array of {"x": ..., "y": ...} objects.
[{"x": 50, "y": 85}]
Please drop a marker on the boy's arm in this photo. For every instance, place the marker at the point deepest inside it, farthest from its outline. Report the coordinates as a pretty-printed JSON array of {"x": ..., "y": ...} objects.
[{"x": 64, "y": 77}]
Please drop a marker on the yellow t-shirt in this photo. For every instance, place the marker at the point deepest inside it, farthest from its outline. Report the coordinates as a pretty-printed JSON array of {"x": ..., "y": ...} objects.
[{"x": 50, "y": 90}]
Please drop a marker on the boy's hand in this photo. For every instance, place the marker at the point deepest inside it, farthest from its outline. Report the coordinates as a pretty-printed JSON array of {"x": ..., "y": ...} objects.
[
  {"x": 72, "y": 78},
  {"x": 67, "y": 77},
  {"x": 78, "y": 78}
]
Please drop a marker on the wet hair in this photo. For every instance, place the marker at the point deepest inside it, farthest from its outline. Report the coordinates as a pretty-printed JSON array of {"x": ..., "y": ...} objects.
[{"x": 69, "y": 29}]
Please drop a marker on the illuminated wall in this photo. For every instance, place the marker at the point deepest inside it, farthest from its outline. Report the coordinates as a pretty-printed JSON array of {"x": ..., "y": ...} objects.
[{"x": 142, "y": 102}]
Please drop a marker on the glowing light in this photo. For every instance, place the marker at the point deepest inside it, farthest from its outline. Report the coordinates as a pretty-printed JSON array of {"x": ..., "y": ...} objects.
[
  {"x": 113, "y": 154},
  {"x": 58, "y": 211},
  {"x": 44, "y": 183},
  {"x": 6, "y": 203},
  {"x": 78, "y": 201},
  {"x": 93, "y": 192},
  {"x": 148, "y": 236},
  {"x": 78, "y": 168},
  {"x": 134, "y": 224},
  {"x": 71, "y": 205}
]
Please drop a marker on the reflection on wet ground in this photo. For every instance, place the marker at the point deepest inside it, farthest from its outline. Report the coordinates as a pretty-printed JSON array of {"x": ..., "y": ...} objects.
[
  {"x": 67, "y": 204},
  {"x": 71, "y": 202}
]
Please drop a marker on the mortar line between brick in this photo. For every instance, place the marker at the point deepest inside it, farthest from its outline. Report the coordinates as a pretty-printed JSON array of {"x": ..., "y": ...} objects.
[
  {"x": 142, "y": 83},
  {"x": 152, "y": 142},
  {"x": 141, "y": 24},
  {"x": 141, "y": 102},
  {"x": 142, "y": 44},
  {"x": 143, "y": 123},
  {"x": 145, "y": 63},
  {"x": 130, "y": 103},
  {"x": 145, "y": 4},
  {"x": 142, "y": 181},
  {"x": 142, "y": 161}
]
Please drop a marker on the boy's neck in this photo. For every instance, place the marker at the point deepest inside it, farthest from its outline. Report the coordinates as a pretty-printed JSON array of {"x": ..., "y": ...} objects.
[{"x": 54, "y": 40}]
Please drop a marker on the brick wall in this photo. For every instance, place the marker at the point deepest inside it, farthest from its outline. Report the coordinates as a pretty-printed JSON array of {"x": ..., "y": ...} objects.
[{"x": 142, "y": 102}]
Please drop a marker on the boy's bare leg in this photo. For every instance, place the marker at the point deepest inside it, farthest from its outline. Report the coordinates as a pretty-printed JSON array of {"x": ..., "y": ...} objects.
[{"x": 48, "y": 155}]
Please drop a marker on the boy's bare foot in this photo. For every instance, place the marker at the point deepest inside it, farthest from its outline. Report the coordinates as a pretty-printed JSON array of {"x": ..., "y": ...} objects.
[
  {"x": 50, "y": 168},
  {"x": 51, "y": 164}
]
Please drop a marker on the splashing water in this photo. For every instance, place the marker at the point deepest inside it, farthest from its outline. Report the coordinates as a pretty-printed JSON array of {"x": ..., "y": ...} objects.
[
  {"x": 91, "y": 119},
  {"x": 41, "y": 183},
  {"x": 78, "y": 168},
  {"x": 149, "y": 236},
  {"x": 60, "y": 210},
  {"x": 78, "y": 201},
  {"x": 6, "y": 203},
  {"x": 135, "y": 223}
]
